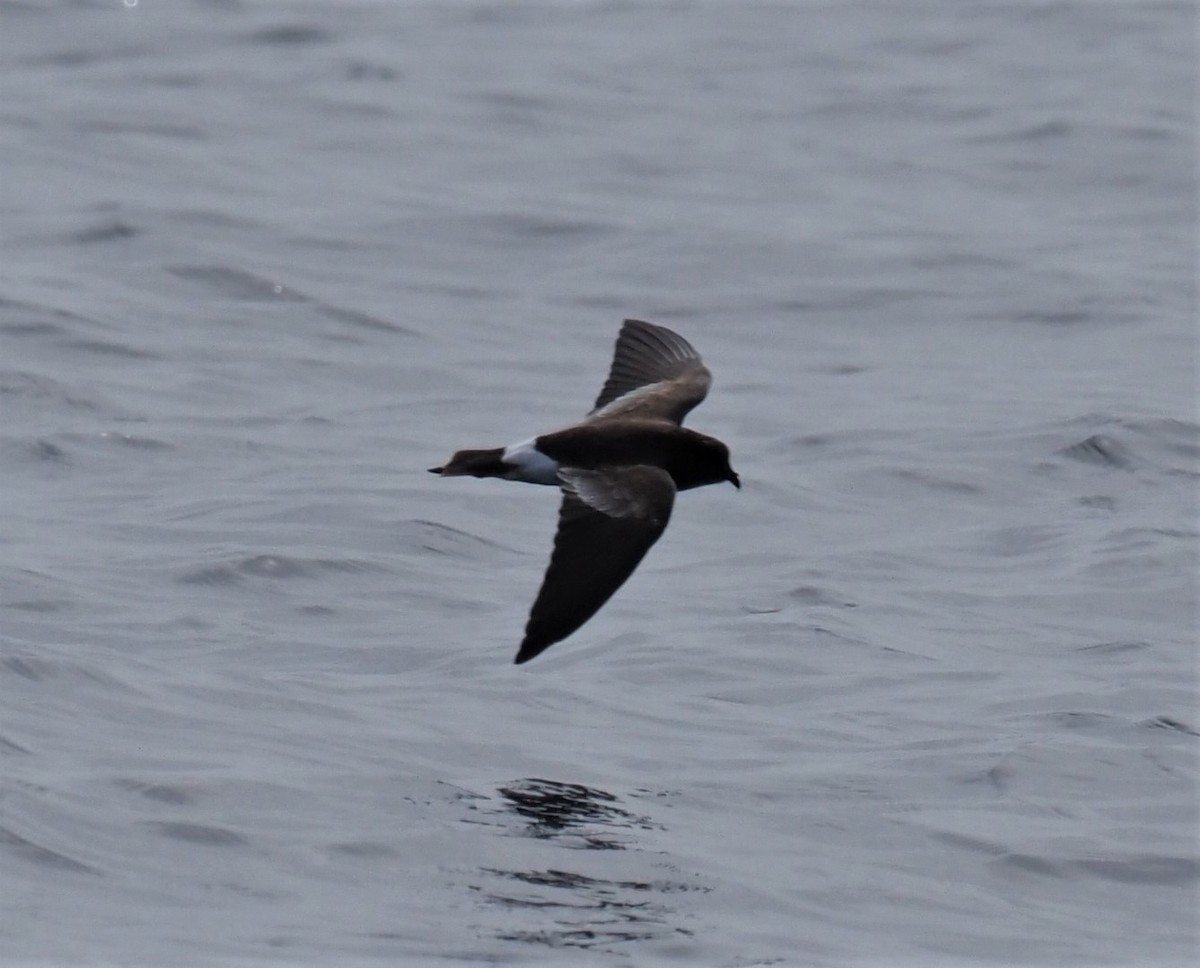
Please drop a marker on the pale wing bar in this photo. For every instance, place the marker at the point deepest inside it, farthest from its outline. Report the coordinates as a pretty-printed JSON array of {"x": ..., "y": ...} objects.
[{"x": 661, "y": 364}]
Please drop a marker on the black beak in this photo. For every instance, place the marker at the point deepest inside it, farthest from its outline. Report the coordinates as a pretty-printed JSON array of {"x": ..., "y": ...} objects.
[{"x": 733, "y": 479}]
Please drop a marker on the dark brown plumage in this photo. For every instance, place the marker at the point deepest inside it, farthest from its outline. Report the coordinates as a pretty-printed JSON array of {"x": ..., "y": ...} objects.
[{"x": 618, "y": 470}]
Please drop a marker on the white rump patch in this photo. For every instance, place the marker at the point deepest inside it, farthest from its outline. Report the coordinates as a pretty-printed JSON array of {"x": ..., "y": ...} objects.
[{"x": 532, "y": 466}]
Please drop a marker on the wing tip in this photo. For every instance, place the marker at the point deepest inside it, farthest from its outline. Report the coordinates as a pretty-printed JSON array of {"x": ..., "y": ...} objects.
[{"x": 529, "y": 649}]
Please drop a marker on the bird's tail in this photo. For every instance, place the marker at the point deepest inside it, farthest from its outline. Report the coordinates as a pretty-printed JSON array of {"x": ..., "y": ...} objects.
[{"x": 475, "y": 463}]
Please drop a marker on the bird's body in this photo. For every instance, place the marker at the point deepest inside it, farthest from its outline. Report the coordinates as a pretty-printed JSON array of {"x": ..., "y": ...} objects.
[{"x": 618, "y": 469}]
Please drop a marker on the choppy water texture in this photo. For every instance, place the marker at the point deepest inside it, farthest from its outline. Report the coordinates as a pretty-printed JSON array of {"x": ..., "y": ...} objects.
[{"x": 923, "y": 692}]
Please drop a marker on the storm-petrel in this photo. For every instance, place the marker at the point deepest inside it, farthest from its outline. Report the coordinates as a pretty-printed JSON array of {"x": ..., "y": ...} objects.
[{"x": 618, "y": 469}]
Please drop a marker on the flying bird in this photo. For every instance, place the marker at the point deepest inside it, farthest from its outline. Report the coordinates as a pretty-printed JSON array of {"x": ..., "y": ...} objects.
[{"x": 618, "y": 469}]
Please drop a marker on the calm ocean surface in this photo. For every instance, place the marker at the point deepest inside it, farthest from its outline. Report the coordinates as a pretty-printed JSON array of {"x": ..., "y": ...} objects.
[{"x": 922, "y": 693}]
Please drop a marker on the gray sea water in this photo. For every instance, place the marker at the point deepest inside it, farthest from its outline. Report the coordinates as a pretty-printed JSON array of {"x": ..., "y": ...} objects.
[{"x": 922, "y": 693}]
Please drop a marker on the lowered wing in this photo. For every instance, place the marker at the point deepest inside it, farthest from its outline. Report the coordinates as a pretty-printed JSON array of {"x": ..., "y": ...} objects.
[{"x": 608, "y": 521}]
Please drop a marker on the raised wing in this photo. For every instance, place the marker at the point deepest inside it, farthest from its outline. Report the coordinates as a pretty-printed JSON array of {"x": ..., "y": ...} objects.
[
  {"x": 608, "y": 521},
  {"x": 655, "y": 374}
]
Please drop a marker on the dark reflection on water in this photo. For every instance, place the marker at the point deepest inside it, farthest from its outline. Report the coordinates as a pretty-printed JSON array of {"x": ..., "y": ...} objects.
[
  {"x": 567, "y": 908},
  {"x": 553, "y": 808}
]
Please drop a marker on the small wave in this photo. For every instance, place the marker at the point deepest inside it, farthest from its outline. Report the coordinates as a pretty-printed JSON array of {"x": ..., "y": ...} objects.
[
  {"x": 33, "y": 319},
  {"x": 1169, "y": 722},
  {"x": 62, "y": 449},
  {"x": 160, "y": 129},
  {"x": 1043, "y": 131},
  {"x": 113, "y": 231},
  {"x": 134, "y": 441},
  {"x": 46, "y": 450},
  {"x": 236, "y": 283},
  {"x": 99, "y": 347},
  {"x": 1055, "y": 317},
  {"x": 1100, "y": 449},
  {"x": 445, "y": 540},
  {"x": 362, "y": 320},
  {"x": 271, "y": 566},
  {"x": 1138, "y": 443},
  {"x": 1114, "y": 648},
  {"x": 196, "y": 833},
  {"x": 176, "y": 796},
  {"x": 537, "y": 228},
  {"x": 291, "y": 35},
  {"x": 1145, "y": 869},
  {"x": 42, "y": 856}
]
